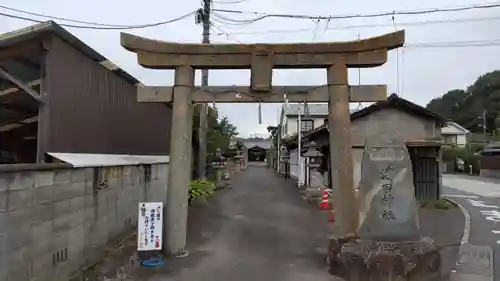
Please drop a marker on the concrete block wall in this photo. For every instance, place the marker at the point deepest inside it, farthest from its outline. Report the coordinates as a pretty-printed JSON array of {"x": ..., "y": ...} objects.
[{"x": 55, "y": 220}]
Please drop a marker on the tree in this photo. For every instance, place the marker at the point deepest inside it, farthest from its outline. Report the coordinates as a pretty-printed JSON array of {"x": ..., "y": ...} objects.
[
  {"x": 219, "y": 130},
  {"x": 468, "y": 107},
  {"x": 272, "y": 130},
  {"x": 239, "y": 145},
  {"x": 273, "y": 134},
  {"x": 447, "y": 104}
]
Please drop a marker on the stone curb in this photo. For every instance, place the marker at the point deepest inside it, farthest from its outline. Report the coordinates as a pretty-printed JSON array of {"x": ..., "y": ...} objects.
[{"x": 467, "y": 223}]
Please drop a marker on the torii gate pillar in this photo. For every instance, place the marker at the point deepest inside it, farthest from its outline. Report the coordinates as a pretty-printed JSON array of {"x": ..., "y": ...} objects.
[
  {"x": 180, "y": 162},
  {"x": 339, "y": 119}
]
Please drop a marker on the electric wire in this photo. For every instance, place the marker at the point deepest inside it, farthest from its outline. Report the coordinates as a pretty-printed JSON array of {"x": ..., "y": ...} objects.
[
  {"x": 228, "y": 36},
  {"x": 361, "y": 26},
  {"x": 418, "y": 45},
  {"x": 261, "y": 15},
  {"x": 397, "y": 58},
  {"x": 230, "y": 21},
  {"x": 315, "y": 31},
  {"x": 102, "y": 26},
  {"x": 230, "y": 2},
  {"x": 222, "y": 20},
  {"x": 61, "y": 18}
]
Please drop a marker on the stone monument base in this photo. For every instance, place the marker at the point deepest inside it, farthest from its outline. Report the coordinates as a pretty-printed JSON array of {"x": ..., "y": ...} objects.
[{"x": 355, "y": 259}]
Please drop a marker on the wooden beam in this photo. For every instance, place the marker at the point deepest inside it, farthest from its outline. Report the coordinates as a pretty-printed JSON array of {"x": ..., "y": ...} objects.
[
  {"x": 21, "y": 123},
  {"x": 109, "y": 65},
  {"x": 387, "y": 41},
  {"x": 15, "y": 89},
  {"x": 19, "y": 50},
  {"x": 34, "y": 94},
  {"x": 19, "y": 109},
  {"x": 244, "y": 61},
  {"x": 243, "y": 94},
  {"x": 367, "y": 93},
  {"x": 261, "y": 73}
]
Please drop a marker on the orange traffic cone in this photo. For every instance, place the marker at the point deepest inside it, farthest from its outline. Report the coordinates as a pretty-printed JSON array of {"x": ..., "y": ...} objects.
[{"x": 324, "y": 204}]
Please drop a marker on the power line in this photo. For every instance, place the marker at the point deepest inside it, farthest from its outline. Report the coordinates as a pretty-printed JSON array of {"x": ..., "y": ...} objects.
[
  {"x": 222, "y": 31},
  {"x": 262, "y": 15},
  {"x": 230, "y": 2},
  {"x": 457, "y": 44},
  {"x": 449, "y": 44},
  {"x": 59, "y": 18},
  {"x": 360, "y": 26},
  {"x": 97, "y": 26}
]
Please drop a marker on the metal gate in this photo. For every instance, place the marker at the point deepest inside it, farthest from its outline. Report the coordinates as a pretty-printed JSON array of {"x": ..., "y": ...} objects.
[{"x": 426, "y": 178}]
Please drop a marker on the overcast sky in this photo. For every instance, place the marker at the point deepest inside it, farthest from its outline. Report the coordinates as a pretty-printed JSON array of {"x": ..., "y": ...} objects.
[{"x": 424, "y": 73}]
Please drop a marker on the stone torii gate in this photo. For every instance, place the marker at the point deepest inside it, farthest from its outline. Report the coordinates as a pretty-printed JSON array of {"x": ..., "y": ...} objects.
[{"x": 261, "y": 59}]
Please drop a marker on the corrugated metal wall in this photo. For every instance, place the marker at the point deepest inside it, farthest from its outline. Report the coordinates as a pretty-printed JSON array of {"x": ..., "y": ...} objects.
[{"x": 92, "y": 110}]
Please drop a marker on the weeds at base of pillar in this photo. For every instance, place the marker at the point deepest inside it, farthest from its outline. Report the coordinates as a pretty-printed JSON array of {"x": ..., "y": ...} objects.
[{"x": 179, "y": 255}]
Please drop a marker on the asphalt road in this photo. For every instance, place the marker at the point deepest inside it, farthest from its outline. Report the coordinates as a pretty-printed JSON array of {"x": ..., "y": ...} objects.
[{"x": 481, "y": 198}]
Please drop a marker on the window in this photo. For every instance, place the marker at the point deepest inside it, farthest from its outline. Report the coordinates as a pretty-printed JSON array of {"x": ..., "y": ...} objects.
[
  {"x": 306, "y": 125},
  {"x": 450, "y": 139}
]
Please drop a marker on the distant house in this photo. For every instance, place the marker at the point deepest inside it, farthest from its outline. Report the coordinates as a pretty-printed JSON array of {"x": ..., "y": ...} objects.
[
  {"x": 312, "y": 117},
  {"x": 454, "y": 134},
  {"x": 257, "y": 148},
  {"x": 417, "y": 126}
]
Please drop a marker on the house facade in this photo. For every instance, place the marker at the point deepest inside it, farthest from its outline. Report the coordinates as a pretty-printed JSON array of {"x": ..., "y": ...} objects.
[
  {"x": 312, "y": 116},
  {"x": 256, "y": 148},
  {"x": 418, "y": 127},
  {"x": 454, "y": 134}
]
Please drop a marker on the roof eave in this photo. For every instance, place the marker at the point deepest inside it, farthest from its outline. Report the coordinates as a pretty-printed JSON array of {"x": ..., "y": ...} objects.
[{"x": 50, "y": 27}]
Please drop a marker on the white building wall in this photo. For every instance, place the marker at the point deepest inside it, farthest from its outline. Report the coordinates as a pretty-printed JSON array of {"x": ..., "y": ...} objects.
[
  {"x": 461, "y": 140},
  {"x": 294, "y": 167},
  {"x": 357, "y": 157},
  {"x": 291, "y": 128}
]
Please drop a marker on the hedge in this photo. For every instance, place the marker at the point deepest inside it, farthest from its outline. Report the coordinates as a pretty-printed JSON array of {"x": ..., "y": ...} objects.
[{"x": 450, "y": 154}]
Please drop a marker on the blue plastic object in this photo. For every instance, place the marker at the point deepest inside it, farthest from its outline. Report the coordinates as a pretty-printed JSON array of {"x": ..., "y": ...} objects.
[{"x": 153, "y": 262}]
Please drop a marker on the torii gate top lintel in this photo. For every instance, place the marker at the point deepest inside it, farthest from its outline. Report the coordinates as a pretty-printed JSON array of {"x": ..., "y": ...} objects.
[{"x": 156, "y": 54}]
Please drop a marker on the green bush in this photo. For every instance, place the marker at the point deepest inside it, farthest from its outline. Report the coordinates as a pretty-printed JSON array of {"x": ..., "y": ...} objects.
[
  {"x": 475, "y": 147},
  {"x": 451, "y": 154},
  {"x": 202, "y": 188},
  {"x": 441, "y": 204}
]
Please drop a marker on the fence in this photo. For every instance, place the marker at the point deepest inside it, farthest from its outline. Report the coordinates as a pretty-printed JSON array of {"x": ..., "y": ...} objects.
[{"x": 55, "y": 219}]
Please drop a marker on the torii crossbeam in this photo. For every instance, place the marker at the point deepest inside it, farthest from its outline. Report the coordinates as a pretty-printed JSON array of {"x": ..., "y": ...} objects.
[{"x": 261, "y": 59}]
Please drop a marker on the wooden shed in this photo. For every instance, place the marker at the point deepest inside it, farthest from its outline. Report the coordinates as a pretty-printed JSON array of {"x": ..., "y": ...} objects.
[
  {"x": 417, "y": 126},
  {"x": 57, "y": 94}
]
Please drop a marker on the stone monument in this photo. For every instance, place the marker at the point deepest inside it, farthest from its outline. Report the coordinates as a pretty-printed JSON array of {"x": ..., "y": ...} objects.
[
  {"x": 218, "y": 165},
  {"x": 388, "y": 245}
]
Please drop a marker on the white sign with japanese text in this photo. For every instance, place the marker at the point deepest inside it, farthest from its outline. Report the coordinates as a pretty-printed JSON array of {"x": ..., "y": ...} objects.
[{"x": 149, "y": 226}]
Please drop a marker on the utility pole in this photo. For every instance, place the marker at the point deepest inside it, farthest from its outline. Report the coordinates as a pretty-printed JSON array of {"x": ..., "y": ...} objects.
[
  {"x": 203, "y": 17},
  {"x": 484, "y": 123}
]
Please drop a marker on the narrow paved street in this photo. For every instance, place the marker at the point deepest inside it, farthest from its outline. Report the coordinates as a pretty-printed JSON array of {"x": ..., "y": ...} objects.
[
  {"x": 258, "y": 230},
  {"x": 480, "y": 198}
]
